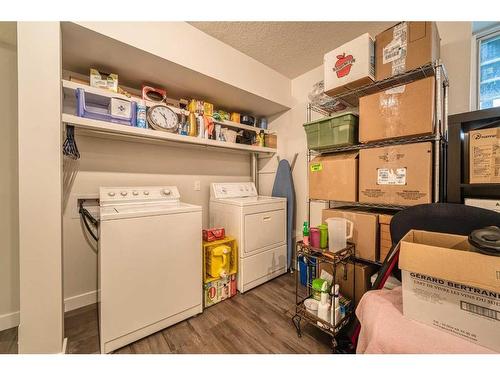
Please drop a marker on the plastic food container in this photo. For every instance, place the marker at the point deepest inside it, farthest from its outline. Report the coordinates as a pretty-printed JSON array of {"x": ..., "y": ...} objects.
[
  {"x": 314, "y": 237},
  {"x": 311, "y": 306},
  {"x": 323, "y": 235},
  {"x": 332, "y": 131}
]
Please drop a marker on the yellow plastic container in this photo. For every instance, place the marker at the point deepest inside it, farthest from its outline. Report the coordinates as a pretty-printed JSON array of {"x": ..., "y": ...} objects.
[{"x": 220, "y": 259}]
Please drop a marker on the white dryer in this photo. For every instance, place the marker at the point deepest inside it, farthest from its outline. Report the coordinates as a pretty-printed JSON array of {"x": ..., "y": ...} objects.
[
  {"x": 259, "y": 225},
  {"x": 150, "y": 262}
]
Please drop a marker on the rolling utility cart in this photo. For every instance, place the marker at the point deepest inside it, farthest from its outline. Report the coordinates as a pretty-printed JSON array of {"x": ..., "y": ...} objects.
[{"x": 312, "y": 261}]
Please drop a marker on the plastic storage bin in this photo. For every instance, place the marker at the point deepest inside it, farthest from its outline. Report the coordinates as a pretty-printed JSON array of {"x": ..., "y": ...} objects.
[
  {"x": 97, "y": 107},
  {"x": 332, "y": 131}
]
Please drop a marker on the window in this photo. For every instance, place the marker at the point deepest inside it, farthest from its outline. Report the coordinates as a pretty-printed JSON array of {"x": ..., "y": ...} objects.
[{"x": 488, "y": 47}]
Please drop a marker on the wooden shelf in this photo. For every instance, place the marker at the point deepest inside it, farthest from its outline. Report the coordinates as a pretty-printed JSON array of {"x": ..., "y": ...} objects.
[{"x": 131, "y": 133}]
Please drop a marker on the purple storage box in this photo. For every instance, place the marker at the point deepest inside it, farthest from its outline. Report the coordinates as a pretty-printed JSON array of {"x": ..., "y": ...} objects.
[{"x": 96, "y": 107}]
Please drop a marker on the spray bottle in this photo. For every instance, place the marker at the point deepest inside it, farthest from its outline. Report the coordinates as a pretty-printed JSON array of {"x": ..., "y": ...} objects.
[
  {"x": 335, "y": 308},
  {"x": 305, "y": 233}
]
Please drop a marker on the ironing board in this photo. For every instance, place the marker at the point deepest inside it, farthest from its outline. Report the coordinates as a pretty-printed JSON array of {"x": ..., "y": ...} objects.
[{"x": 283, "y": 187}]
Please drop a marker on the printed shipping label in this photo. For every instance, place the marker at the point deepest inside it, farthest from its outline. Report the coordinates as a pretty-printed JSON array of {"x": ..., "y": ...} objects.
[
  {"x": 395, "y": 51},
  {"x": 392, "y": 51},
  {"x": 396, "y": 90},
  {"x": 388, "y": 176},
  {"x": 316, "y": 167}
]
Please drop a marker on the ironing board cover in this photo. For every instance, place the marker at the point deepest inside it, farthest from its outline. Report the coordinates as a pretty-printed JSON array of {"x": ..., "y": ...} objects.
[{"x": 283, "y": 187}]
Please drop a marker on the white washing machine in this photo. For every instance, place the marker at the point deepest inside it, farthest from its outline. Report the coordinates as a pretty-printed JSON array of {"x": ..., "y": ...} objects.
[
  {"x": 150, "y": 262},
  {"x": 259, "y": 225}
]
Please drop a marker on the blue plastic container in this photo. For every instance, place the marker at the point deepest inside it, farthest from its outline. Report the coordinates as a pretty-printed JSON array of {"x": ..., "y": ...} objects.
[
  {"x": 305, "y": 268},
  {"x": 96, "y": 107}
]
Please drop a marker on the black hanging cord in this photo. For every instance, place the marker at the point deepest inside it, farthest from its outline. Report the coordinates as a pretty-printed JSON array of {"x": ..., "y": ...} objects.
[
  {"x": 69, "y": 146},
  {"x": 85, "y": 214}
]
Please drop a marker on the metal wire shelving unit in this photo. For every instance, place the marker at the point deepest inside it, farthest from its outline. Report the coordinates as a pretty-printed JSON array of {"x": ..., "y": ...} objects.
[
  {"x": 313, "y": 259},
  {"x": 439, "y": 138}
]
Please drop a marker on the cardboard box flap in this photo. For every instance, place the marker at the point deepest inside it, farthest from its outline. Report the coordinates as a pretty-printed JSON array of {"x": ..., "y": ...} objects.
[
  {"x": 449, "y": 257},
  {"x": 416, "y": 31}
]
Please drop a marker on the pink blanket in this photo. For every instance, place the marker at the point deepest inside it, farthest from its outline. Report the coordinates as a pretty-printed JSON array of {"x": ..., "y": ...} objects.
[{"x": 384, "y": 329}]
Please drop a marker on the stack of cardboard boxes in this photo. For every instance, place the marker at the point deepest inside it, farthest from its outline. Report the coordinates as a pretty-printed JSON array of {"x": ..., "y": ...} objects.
[
  {"x": 402, "y": 174},
  {"x": 392, "y": 175}
]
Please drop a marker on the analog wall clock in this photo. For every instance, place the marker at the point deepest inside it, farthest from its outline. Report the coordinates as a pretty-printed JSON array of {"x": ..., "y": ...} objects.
[{"x": 163, "y": 118}]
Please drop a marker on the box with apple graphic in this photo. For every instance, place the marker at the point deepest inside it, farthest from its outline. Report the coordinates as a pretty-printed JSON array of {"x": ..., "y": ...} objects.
[{"x": 350, "y": 66}]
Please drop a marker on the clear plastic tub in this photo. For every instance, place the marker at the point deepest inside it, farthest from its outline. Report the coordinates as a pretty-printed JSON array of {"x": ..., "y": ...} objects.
[{"x": 97, "y": 107}]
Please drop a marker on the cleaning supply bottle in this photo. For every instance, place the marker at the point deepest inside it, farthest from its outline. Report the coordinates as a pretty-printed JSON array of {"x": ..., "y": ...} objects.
[
  {"x": 305, "y": 233},
  {"x": 324, "y": 305},
  {"x": 141, "y": 120},
  {"x": 335, "y": 308}
]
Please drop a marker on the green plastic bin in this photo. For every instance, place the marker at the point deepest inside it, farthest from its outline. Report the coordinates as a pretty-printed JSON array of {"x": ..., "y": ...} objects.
[{"x": 332, "y": 131}]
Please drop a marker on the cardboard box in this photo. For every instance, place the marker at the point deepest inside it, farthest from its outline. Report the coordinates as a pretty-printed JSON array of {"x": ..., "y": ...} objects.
[
  {"x": 484, "y": 156},
  {"x": 448, "y": 286},
  {"x": 399, "y": 175},
  {"x": 402, "y": 111},
  {"x": 271, "y": 140},
  {"x": 365, "y": 232},
  {"x": 350, "y": 66},
  {"x": 488, "y": 204},
  {"x": 384, "y": 221},
  {"x": 344, "y": 277},
  {"x": 405, "y": 46},
  {"x": 334, "y": 177},
  {"x": 219, "y": 290}
]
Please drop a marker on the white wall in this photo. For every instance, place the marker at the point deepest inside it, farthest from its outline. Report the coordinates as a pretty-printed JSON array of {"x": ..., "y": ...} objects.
[
  {"x": 40, "y": 188},
  {"x": 456, "y": 55},
  {"x": 9, "y": 229}
]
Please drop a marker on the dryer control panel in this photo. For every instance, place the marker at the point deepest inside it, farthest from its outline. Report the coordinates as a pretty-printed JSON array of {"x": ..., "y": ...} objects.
[
  {"x": 137, "y": 194},
  {"x": 221, "y": 190}
]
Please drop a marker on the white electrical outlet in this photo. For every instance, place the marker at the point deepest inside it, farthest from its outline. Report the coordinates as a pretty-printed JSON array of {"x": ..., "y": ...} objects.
[{"x": 197, "y": 185}]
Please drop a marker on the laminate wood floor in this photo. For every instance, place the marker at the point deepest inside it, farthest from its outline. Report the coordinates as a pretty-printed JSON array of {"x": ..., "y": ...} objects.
[
  {"x": 8, "y": 341},
  {"x": 258, "y": 321}
]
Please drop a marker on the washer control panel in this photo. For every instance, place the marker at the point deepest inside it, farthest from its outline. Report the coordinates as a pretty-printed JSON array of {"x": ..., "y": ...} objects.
[
  {"x": 137, "y": 194},
  {"x": 233, "y": 190}
]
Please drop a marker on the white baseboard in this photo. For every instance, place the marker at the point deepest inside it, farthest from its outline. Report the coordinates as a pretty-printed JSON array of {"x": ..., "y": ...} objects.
[
  {"x": 65, "y": 346},
  {"x": 75, "y": 302},
  {"x": 11, "y": 320}
]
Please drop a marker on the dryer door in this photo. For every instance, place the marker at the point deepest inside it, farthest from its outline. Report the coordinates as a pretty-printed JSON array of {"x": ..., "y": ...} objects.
[{"x": 264, "y": 230}]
